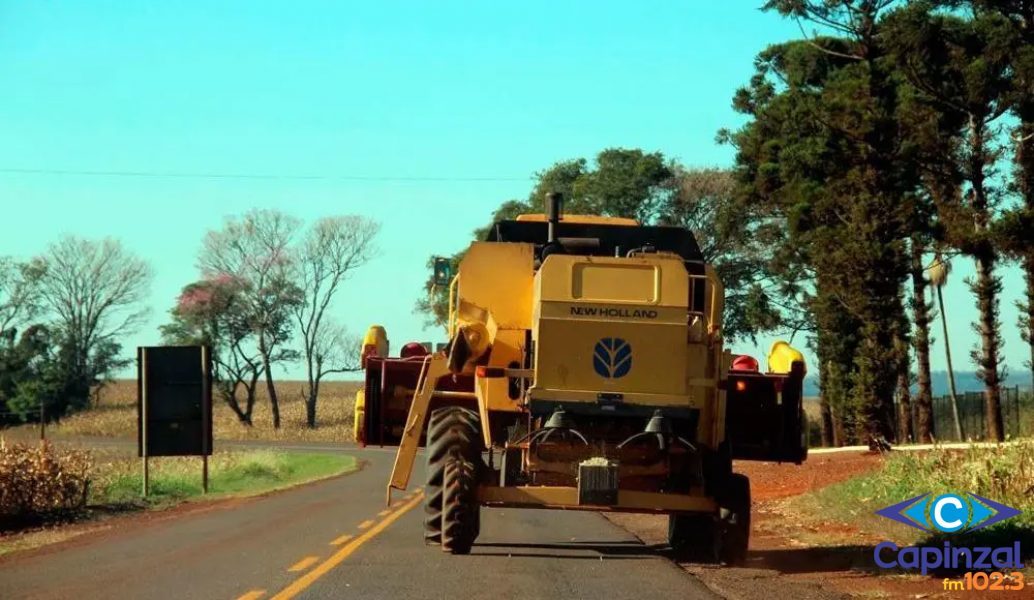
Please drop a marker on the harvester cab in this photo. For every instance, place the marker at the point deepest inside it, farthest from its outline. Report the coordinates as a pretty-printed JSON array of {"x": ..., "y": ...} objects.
[{"x": 585, "y": 371}]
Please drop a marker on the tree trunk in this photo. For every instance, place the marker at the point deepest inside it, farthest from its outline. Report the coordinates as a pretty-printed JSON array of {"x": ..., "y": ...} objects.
[
  {"x": 987, "y": 303},
  {"x": 921, "y": 319},
  {"x": 1025, "y": 183},
  {"x": 905, "y": 434},
  {"x": 1028, "y": 265},
  {"x": 267, "y": 370},
  {"x": 310, "y": 404},
  {"x": 229, "y": 394},
  {"x": 252, "y": 388},
  {"x": 825, "y": 415},
  {"x": 274, "y": 402},
  {"x": 953, "y": 395}
]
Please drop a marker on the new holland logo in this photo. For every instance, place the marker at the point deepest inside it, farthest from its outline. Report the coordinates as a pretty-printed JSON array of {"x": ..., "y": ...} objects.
[{"x": 612, "y": 358}]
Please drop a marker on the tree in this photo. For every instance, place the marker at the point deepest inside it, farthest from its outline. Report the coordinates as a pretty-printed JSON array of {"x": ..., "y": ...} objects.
[
  {"x": 19, "y": 292},
  {"x": 649, "y": 187},
  {"x": 94, "y": 290},
  {"x": 256, "y": 250},
  {"x": 858, "y": 104},
  {"x": 963, "y": 66},
  {"x": 939, "y": 271},
  {"x": 333, "y": 248},
  {"x": 736, "y": 243},
  {"x": 216, "y": 313},
  {"x": 26, "y": 373},
  {"x": 1018, "y": 222}
]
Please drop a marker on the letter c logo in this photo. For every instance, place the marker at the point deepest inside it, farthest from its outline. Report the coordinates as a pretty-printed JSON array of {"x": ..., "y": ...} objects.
[{"x": 949, "y": 513}]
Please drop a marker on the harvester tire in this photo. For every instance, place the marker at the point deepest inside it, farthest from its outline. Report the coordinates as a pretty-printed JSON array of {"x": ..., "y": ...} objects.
[
  {"x": 452, "y": 431},
  {"x": 734, "y": 520},
  {"x": 459, "y": 507},
  {"x": 693, "y": 537}
]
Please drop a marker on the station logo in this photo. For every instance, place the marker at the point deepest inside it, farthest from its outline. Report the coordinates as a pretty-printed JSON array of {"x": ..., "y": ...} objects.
[
  {"x": 612, "y": 358},
  {"x": 949, "y": 514}
]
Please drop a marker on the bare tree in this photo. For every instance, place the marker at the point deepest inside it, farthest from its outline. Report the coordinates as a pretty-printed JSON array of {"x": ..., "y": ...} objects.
[
  {"x": 256, "y": 249},
  {"x": 332, "y": 249},
  {"x": 95, "y": 291}
]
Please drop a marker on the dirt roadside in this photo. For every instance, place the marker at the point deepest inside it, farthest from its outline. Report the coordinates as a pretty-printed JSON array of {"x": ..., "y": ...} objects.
[{"x": 789, "y": 559}]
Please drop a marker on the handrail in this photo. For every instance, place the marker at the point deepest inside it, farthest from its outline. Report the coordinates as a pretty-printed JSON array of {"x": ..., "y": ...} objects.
[{"x": 453, "y": 306}]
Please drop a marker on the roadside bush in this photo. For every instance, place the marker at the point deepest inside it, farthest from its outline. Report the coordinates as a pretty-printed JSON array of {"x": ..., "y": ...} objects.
[{"x": 39, "y": 482}]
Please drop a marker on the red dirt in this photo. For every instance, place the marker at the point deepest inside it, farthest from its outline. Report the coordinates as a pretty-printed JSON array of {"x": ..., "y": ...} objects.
[{"x": 786, "y": 560}]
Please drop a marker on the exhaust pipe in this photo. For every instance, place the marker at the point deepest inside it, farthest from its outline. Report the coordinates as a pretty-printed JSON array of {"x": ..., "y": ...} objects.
[{"x": 554, "y": 207}]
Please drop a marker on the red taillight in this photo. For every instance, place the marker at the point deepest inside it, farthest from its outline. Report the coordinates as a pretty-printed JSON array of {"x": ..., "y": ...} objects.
[
  {"x": 490, "y": 372},
  {"x": 744, "y": 363},
  {"x": 741, "y": 386}
]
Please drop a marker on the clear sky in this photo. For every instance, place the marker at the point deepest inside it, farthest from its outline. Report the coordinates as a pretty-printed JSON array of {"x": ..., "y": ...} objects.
[{"x": 364, "y": 95}]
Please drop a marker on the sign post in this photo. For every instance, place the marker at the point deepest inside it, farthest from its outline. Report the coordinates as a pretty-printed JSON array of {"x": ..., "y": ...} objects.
[{"x": 174, "y": 405}]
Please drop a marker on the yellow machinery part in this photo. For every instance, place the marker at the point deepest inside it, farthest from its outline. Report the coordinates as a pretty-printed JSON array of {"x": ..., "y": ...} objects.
[
  {"x": 376, "y": 338},
  {"x": 782, "y": 356},
  {"x": 435, "y": 367},
  {"x": 581, "y": 219},
  {"x": 359, "y": 415}
]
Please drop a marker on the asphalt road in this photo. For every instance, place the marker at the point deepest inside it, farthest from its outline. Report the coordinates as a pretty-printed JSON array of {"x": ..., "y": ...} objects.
[{"x": 338, "y": 539}]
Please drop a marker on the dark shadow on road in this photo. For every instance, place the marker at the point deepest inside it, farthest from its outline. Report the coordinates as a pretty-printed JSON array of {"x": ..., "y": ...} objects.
[
  {"x": 814, "y": 560},
  {"x": 578, "y": 550}
]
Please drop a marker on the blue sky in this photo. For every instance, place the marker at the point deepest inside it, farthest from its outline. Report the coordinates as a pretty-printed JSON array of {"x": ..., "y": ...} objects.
[{"x": 356, "y": 93}]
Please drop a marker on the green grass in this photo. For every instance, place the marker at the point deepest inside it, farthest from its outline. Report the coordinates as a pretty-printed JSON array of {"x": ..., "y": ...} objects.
[
  {"x": 1004, "y": 474},
  {"x": 230, "y": 474}
]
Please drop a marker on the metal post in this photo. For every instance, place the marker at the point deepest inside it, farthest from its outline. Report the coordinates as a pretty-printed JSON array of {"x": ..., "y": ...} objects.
[
  {"x": 204, "y": 474},
  {"x": 143, "y": 420}
]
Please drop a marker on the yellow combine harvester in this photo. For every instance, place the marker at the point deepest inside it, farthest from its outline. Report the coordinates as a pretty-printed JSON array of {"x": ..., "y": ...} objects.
[{"x": 585, "y": 371}]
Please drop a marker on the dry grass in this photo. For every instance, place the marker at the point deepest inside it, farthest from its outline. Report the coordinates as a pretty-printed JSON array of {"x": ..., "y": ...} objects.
[
  {"x": 114, "y": 414},
  {"x": 39, "y": 481}
]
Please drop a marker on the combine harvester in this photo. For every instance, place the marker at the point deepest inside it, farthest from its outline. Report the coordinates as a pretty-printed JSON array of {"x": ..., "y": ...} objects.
[{"x": 585, "y": 371}]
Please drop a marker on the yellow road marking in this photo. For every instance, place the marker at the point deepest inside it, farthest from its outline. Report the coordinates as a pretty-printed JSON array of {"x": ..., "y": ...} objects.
[
  {"x": 252, "y": 595},
  {"x": 304, "y": 563},
  {"x": 338, "y": 557},
  {"x": 365, "y": 524},
  {"x": 341, "y": 540},
  {"x": 383, "y": 513}
]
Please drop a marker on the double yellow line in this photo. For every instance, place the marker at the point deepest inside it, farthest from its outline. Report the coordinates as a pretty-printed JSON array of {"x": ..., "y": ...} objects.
[{"x": 303, "y": 582}]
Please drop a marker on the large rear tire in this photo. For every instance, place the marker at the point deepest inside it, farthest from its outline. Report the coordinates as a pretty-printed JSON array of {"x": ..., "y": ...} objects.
[
  {"x": 693, "y": 537},
  {"x": 734, "y": 520},
  {"x": 452, "y": 433}
]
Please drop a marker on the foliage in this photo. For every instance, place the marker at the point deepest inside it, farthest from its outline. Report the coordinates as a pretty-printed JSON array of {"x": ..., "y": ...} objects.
[
  {"x": 654, "y": 189},
  {"x": 215, "y": 312},
  {"x": 256, "y": 250},
  {"x": 38, "y": 482},
  {"x": 332, "y": 249},
  {"x": 1003, "y": 473}
]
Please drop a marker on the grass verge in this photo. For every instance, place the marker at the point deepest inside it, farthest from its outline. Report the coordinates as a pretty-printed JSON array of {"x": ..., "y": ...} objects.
[
  {"x": 118, "y": 482},
  {"x": 1004, "y": 474}
]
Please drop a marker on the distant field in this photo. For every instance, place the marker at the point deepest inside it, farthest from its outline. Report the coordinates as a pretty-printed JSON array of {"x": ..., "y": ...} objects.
[{"x": 115, "y": 414}]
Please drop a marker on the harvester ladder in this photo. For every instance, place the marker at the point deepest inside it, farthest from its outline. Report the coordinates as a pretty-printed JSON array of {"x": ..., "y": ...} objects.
[{"x": 435, "y": 367}]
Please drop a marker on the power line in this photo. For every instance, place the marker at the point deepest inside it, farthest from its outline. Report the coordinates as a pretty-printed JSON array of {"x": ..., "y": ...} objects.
[{"x": 255, "y": 176}]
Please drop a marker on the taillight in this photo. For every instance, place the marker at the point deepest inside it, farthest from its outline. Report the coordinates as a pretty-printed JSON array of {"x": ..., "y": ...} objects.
[
  {"x": 741, "y": 386},
  {"x": 490, "y": 372}
]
